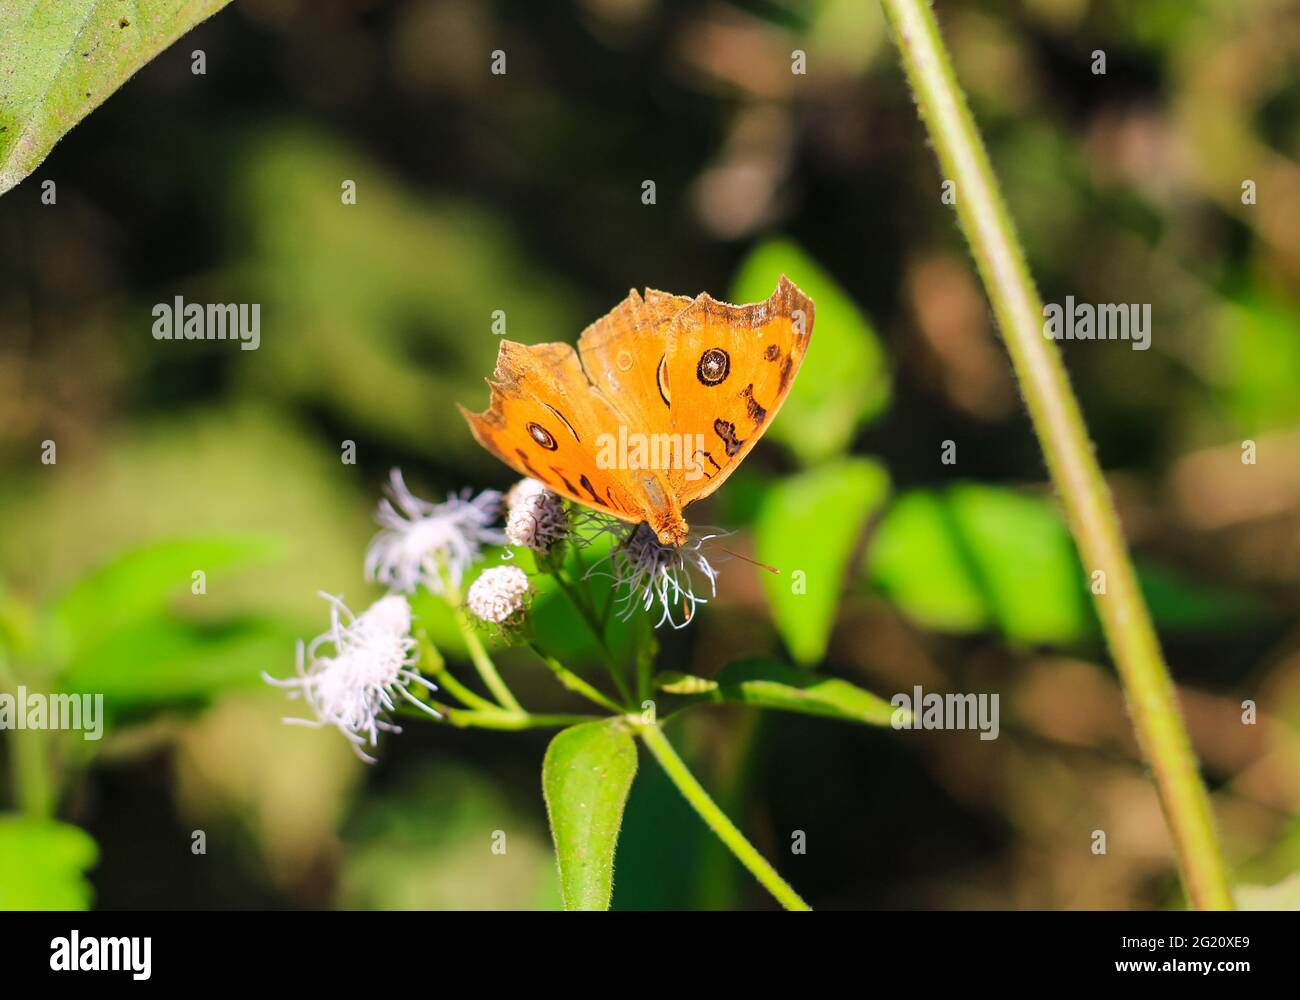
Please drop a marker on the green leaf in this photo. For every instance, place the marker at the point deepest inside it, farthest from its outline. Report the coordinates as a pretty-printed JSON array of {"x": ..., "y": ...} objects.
[
  {"x": 42, "y": 864},
  {"x": 768, "y": 684},
  {"x": 919, "y": 564},
  {"x": 586, "y": 776},
  {"x": 976, "y": 555},
  {"x": 63, "y": 59},
  {"x": 138, "y": 583},
  {"x": 808, "y": 525},
  {"x": 162, "y": 661},
  {"x": 1253, "y": 355},
  {"x": 844, "y": 381}
]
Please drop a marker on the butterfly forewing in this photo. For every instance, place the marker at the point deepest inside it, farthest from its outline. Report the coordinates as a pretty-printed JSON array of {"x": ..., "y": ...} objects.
[
  {"x": 545, "y": 421},
  {"x": 729, "y": 370},
  {"x": 624, "y": 352}
]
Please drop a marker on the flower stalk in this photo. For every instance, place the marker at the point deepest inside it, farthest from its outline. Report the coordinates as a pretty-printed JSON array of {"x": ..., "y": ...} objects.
[
  {"x": 478, "y": 655},
  {"x": 1059, "y": 424},
  {"x": 573, "y": 682},
  {"x": 510, "y": 721}
]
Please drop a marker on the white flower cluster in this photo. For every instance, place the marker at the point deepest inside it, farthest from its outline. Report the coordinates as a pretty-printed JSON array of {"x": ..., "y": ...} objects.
[
  {"x": 499, "y": 594},
  {"x": 429, "y": 544},
  {"x": 536, "y": 517},
  {"x": 369, "y": 666},
  {"x": 353, "y": 676}
]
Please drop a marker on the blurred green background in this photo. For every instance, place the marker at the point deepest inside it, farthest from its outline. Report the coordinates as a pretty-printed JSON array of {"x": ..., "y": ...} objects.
[{"x": 522, "y": 193}]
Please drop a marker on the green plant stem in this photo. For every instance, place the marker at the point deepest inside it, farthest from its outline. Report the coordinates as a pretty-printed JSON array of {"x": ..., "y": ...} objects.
[
  {"x": 1059, "y": 425},
  {"x": 589, "y": 617},
  {"x": 644, "y": 651},
  {"x": 657, "y": 743},
  {"x": 575, "y": 683},
  {"x": 33, "y": 787},
  {"x": 507, "y": 721},
  {"x": 479, "y": 657},
  {"x": 467, "y": 697},
  {"x": 432, "y": 663}
]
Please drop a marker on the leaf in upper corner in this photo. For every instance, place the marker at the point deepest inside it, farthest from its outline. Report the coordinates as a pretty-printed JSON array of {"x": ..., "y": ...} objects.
[
  {"x": 63, "y": 59},
  {"x": 768, "y": 684},
  {"x": 586, "y": 776}
]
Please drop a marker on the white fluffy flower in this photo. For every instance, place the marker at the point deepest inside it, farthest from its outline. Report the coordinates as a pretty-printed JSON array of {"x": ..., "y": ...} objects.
[
  {"x": 536, "y": 517},
  {"x": 370, "y": 665},
  {"x": 428, "y": 543},
  {"x": 499, "y": 594},
  {"x": 645, "y": 572}
]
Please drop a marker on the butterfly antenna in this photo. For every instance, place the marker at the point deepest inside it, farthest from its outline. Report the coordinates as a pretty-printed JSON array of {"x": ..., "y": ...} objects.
[{"x": 761, "y": 565}]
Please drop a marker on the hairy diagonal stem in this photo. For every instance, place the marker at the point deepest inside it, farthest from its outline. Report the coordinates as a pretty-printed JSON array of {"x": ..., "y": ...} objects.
[
  {"x": 657, "y": 743},
  {"x": 1059, "y": 424}
]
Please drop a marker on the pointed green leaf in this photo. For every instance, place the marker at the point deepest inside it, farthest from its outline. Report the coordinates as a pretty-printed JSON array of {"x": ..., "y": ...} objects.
[
  {"x": 138, "y": 583},
  {"x": 807, "y": 527},
  {"x": 768, "y": 684},
  {"x": 62, "y": 59},
  {"x": 586, "y": 775}
]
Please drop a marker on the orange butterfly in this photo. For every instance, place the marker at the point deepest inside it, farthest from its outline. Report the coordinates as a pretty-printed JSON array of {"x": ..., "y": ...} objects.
[{"x": 664, "y": 397}]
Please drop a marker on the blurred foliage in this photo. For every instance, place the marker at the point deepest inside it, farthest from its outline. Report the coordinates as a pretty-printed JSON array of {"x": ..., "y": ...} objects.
[
  {"x": 973, "y": 557},
  {"x": 43, "y": 865},
  {"x": 334, "y": 277},
  {"x": 807, "y": 527},
  {"x": 420, "y": 846},
  {"x": 843, "y": 382},
  {"x": 521, "y": 194}
]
